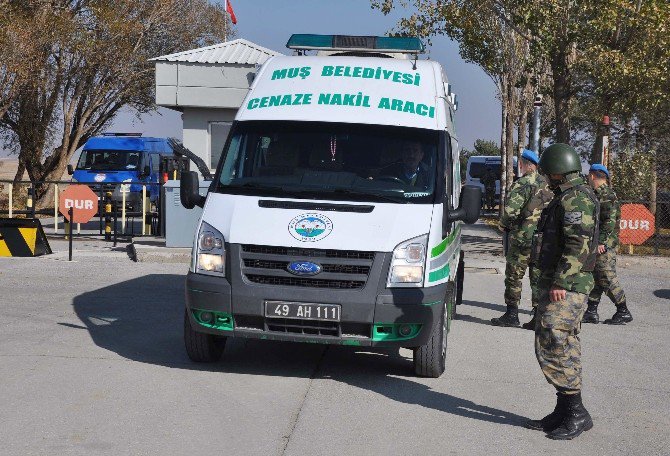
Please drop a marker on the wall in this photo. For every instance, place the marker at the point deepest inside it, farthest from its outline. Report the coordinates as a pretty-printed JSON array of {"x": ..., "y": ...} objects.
[
  {"x": 202, "y": 85},
  {"x": 196, "y": 128}
]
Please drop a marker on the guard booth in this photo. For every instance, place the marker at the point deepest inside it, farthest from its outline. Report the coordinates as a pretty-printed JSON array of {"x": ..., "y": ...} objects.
[{"x": 207, "y": 85}]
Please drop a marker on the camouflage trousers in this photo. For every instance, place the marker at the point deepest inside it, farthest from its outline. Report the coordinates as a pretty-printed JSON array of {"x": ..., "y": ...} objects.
[
  {"x": 517, "y": 259},
  {"x": 606, "y": 280},
  {"x": 557, "y": 345}
]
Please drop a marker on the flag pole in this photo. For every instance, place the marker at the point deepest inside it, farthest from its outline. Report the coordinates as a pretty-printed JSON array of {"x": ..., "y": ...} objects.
[{"x": 225, "y": 20}]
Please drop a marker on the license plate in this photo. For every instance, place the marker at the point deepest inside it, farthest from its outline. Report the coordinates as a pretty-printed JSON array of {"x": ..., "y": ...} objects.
[{"x": 302, "y": 311}]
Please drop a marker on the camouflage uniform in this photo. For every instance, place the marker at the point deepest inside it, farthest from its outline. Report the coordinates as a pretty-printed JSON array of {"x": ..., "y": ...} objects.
[
  {"x": 604, "y": 273},
  {"x": 527, "y": 197},
  {"x": 566, "y": 256}
]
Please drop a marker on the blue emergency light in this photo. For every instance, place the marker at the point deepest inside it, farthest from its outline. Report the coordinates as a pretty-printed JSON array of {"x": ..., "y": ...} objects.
[{"x": 387, "y": 44}]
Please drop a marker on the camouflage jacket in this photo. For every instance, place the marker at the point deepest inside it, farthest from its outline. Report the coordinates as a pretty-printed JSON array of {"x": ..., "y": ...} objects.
[
  {"x": 610, "y": 215},
  {"x": 564, "y": 260},
  {"x": 526, "y": 199}
]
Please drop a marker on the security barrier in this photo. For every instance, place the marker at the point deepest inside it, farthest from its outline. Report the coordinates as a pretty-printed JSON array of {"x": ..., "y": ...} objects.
[
  {"x": 22, "y": 238},
  {"x": 113, "y": 204}
]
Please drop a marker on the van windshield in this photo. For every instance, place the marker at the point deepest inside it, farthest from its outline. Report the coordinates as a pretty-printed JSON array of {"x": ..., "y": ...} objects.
[
  {"x": 321, "y": 160},
  {"x": 109, "y": 160}
]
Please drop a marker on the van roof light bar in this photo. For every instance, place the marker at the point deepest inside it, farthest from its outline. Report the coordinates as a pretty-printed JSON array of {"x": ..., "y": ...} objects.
[
  {"x": 121, "y": 134},
  {"x": 386, "y": 44}
]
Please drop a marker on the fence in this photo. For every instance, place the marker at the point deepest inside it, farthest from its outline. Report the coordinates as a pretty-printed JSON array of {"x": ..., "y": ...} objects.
[
  {"x": 645, "y": 226},
  {"x": 125, "y": 205}
]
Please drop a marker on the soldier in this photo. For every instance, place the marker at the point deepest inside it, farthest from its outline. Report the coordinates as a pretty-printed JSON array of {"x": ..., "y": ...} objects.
[
  {"x": 605, "y": 272},
  {"x": 564, "y": 248},
  {"x": 489, "y": 181},
  {"x": 527, "y": 197}
]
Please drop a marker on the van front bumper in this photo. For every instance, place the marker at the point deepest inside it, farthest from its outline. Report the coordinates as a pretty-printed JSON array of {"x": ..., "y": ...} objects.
[{"x": 368, "y": 318}]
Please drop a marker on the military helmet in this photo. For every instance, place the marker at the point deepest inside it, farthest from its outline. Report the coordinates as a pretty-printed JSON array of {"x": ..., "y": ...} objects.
[{"x": 560, "y": 158}]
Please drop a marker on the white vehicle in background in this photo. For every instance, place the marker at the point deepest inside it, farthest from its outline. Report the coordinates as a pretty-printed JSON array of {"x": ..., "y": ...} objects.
[
  {"x": 476, "y": 168},
  {"x": 335, "y": 213}
]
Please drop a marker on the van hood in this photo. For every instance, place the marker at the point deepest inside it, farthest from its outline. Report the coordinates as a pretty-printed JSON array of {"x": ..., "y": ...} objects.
[
  {"x": 113, "y": 176},
  {"x": 379, "y": 230}
]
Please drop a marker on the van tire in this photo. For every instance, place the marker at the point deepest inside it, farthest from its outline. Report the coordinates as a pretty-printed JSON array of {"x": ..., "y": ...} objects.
[
  {"x": 202, "y": 347},
  {"x": 430, "y": 359}
]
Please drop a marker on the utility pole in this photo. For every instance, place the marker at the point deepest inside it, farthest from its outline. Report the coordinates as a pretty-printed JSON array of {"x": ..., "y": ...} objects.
[
  {"x": 537, "y": 109},
  {"x": 605, "y": 142}
]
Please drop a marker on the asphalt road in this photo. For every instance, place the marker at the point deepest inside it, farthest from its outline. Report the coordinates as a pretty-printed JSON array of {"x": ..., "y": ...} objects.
[{"x": 93, "y": 363}]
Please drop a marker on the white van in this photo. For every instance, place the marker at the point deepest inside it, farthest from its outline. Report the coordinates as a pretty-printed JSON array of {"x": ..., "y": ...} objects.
[
  {"x": 334, "y": 216},
  {"x": 476, "y": 168}
]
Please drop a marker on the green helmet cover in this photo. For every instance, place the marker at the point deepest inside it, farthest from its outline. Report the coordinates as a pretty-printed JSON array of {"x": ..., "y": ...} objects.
[{"x": 560, "y": 158}]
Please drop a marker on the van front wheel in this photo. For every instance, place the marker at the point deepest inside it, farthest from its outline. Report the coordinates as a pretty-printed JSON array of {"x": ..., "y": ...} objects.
[
  {"x": 202, "y": 347},
  {"x": 430, "y": 359}
]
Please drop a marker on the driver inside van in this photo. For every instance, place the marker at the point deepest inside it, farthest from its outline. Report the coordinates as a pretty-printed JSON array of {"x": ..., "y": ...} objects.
[{"x": 410, "y": 169}]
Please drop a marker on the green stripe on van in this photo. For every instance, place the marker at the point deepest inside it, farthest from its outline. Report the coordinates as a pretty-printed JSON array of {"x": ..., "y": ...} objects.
[
  {"x": 439, "y": 274},
  {"x": 442, "y": 246}
]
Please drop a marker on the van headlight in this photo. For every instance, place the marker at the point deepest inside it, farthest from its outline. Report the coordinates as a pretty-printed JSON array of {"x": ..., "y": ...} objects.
[
  {"x": 407, "y": 265},
  {"x": 210, "y": 251}
]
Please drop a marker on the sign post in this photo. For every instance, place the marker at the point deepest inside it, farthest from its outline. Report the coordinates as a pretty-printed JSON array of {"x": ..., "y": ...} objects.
[
  {"x": 78, "y": 204},
  {"x": 69, "y": 239}
]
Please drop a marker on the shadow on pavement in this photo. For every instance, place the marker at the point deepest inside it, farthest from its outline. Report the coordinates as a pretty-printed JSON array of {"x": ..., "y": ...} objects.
[
  {"x": 488, "y": 305},
  {"x": 380, "y": 371},
  {"x": 663, "y": 294},
  {"x": 142, "y": 320}
]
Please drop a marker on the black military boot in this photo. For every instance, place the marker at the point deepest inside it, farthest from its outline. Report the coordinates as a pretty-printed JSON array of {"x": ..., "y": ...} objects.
[
  {"x": 591, "y": 314},
  {"x": 509, "y": 318},
  {"x": 530, "y": 324},
  {"x": 576, "y": 419},
  {"x": 620, "y": 317},
  {"x": 551, "y": 421}
]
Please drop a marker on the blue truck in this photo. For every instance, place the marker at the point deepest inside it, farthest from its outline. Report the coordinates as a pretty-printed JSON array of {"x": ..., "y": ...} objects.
[{"x": 108, "y": 160}]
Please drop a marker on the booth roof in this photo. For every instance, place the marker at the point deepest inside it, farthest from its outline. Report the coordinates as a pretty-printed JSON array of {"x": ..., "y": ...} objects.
[{"x": 238, "y": 51}]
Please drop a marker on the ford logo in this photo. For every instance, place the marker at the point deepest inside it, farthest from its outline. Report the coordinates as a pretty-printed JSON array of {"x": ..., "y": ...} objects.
[{"x": 303, "y": 268}]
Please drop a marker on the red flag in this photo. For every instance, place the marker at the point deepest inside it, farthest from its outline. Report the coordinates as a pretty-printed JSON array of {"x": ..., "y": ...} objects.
[{"x": 229, "y": 8}]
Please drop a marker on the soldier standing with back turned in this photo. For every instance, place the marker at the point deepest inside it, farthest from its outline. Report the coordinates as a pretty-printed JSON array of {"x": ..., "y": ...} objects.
[
  {"x": 564, "y": 248},
  {"x": 527, "y": 197},
  {"x": 604, "y": 274},
  {"x": 489, "y": 182}
]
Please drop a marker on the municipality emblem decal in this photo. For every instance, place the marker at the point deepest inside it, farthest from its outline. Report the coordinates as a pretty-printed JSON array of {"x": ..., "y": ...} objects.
[{"x": 310, "y": 227}]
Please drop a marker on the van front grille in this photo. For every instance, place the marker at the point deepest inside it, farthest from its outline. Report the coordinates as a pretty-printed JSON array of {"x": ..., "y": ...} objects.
[
  {"x": 305, "y": 282},
  {"x": 340, "y": 269}
]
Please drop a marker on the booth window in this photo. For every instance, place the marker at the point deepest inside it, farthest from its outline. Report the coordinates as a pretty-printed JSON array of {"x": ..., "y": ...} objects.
[{"x": 218, "y": 133}]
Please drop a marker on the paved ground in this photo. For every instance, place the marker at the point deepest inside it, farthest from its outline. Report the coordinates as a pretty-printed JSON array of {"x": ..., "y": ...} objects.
[{"x": 93, "y": 363}]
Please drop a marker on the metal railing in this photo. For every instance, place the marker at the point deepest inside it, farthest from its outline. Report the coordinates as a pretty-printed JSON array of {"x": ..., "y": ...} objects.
[{"x": 107, "y": 193}]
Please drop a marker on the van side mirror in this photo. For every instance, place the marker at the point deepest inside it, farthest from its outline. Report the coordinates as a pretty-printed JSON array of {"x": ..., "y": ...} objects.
[
  {"x": 469, "y": 207},
  {"x": 189, "y": 190},
  {"x": 70, "y": 170}
]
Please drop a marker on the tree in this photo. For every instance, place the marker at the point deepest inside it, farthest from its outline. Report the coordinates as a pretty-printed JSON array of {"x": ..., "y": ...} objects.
[
  {"x": 95, "y": 61},
  {"x": 487, "y": 37},
  {"x": 17, "y": 51}
]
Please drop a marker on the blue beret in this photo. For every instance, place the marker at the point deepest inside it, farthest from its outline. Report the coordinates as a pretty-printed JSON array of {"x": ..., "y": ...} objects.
[
  {"x": 599, "y": 167},
  {"x": 530, "y": 156}
]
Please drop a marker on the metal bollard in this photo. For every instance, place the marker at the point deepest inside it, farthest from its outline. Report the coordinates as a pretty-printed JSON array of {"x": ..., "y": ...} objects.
[
  {"x": 55, "y": 208},
  {"x": 30, "y": 206},
  {"x": 123, "y": 209},
  {"x": 11, "y": 196},
  {"x": 144, "y": 209},
  {"x": 108, "y": 216}
]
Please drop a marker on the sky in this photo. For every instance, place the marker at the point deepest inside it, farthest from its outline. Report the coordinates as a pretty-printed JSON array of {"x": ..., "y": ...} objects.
[{"x": 270, "y": 23}]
